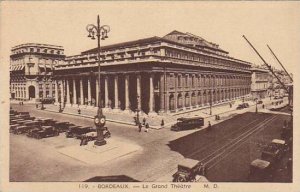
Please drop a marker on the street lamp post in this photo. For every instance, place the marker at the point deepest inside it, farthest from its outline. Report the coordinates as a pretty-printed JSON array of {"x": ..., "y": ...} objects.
[
  {"x": 101, "y": 34},
  {"x": 256, "y": 110}
]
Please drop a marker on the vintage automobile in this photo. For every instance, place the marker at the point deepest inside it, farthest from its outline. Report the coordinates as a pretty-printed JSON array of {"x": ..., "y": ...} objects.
[
  {"x": 260, "y": 171},
  {"x": 13, "y": 127},
  {"x": 246, "y": 105},
  {"x": 45, "y": 131},
  {"x": 240, "y": 106},
  {"x": 185, "y": 123},
  {"x": 33, "y": 124},
  {"x": 90, "y": 136},
  {"x": 82, "y": 130},
  {"x": 273, "y": 152},
  {"x": 21, "y": 129},
  {"x": 187, "y": 171},
  {"x": 62, "y": 126},
  {"x": 32, "y": 132},
  {"x": 282, "y": 145},
  {"x": 76, "y": 131},
  {"x": 259, "y": 102},
  {"x": 46, "y": 121}
]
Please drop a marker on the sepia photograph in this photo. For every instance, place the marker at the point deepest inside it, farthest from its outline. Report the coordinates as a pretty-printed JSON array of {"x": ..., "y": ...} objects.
[{"x": 149, "y": 95}]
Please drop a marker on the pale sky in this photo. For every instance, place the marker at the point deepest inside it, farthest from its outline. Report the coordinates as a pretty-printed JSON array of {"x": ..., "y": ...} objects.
[{"x": 224, "y": 23}]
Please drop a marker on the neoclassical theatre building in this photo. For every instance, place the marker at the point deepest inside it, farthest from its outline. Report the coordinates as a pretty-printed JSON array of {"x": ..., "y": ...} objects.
[{"x": 179, "y": 71}]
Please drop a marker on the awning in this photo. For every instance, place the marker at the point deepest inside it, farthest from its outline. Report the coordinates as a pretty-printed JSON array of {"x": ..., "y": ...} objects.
[{"x": 43, "y": 66}]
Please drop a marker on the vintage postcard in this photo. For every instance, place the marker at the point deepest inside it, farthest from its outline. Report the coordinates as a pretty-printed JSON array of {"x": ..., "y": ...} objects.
[{"x": 149, "y": 96}]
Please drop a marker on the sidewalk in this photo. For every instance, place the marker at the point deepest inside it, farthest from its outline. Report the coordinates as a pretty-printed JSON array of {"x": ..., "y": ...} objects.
[{"x": 221, "y": 109}]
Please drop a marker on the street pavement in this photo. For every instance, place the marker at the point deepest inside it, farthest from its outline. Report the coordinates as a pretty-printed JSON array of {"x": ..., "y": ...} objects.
[{"x": 40, "y": 160}]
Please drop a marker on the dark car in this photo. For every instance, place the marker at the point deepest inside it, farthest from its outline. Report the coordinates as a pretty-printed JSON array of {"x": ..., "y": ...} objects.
[
  {"x": 13, "y": 127},
  {"x": 260, "y": 171},
  {"x": 187, "y": 171},
  {"x": 62, "y": 126},
  {"x": 77, "y": 131},
  {"x": 45, "y": 131},
  {"x": 46, "y": 121},
  {"x": 33, "y": 132},
  {"x": 246, "y": 105},
  {"x": 274, "y": 151},
  {"x": 185, "y": 123},
  {"x": 240, "y": 106},
  {"x": 21, "y": 129}
]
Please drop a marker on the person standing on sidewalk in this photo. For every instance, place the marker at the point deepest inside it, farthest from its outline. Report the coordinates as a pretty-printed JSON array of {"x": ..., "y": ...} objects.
[
  {"x": 147, "y": 127},
  {"x": 140, "y": 127}
]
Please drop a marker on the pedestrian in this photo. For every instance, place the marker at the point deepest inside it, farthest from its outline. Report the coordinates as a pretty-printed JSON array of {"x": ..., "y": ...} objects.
[
  {"x": 209, "y": 126},
  {"x": 147, "y": 127},
  {"x": 230, "y": 105},
  {"x": 162, "y": 123},
  {"x": 263, "y": 106},
  {"x": 140, "y": 127},
  {"x": 83, "y": 141},
  {"x": 144, "y": 121}
]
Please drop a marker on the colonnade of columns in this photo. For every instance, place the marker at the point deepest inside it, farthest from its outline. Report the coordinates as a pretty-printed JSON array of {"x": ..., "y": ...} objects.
[
  {"x": 150, "y": 92},
  {"x": 84, "y": 90}
]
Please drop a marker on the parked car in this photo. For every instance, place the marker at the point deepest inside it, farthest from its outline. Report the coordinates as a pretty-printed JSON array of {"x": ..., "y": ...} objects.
[
  {"x": 13, "y": 127},
  {"x": 240, "y": 106},
  {"x": 47, "y": 121},
  {"x": 246, "y": 105},
  {"x": 62, "y": 126},
  {"x": 77, "y": 131},
  {"x": 46, "y": 131},
  {"x": 260, "y": 171},
  {"x": 273, "y": 152},
  {"x": 21, "y": 129},
  {"x": 185, "y": 123},
  {"x": 33, "y": 132},
  {"x": 187, "y": 171}
]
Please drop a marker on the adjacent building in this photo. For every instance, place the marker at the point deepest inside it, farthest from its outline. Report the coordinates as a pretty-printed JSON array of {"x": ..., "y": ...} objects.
[
  {"x": 260, "y": 82},
  {"x": 177, "y": 72},
  {"x": 31, "y": 70}
]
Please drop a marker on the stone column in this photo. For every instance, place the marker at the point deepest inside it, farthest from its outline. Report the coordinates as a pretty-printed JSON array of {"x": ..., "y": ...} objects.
[
  {"x": 50, "y": 89},
  {"x": 116, "y": 87},
  {"x": 74, "y": 92},
  {"x": 89, "y": 90},
  {"x": 176, "y": 92},
  {"x": 44, "y": 89},
  {"x": 62, "y": 91},
  {"x": 68, "y": 92},
  {"x": 151, "y": 96},
  {"x": 162, "y": 93},
  {"x": 127, "y": 93},
  {"x": 81, "y": 92},
  {"x": 106, "y": 91},
  {"x": 138, "y": 91},
  {"x": 56, "y": 92}
]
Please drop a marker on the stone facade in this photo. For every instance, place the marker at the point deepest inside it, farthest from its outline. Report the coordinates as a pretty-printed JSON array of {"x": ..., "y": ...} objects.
[
  {"x": 31, "y": 70},
  {"x": 260, "y": 83},
  {"x": 154, "y": 75}
]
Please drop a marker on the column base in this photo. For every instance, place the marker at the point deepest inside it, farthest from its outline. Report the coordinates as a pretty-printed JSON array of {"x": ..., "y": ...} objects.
[
  {"x": 56, "y": 103},
  {"x": 127, "y": 111},
  {"x": 152, "y": 114},
  {"x": 100, "y": 142},
  {"x": 116, "y": 110}
]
